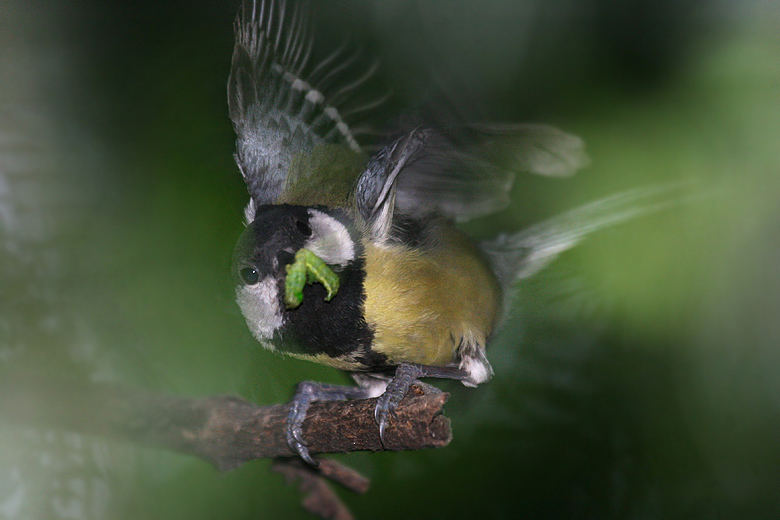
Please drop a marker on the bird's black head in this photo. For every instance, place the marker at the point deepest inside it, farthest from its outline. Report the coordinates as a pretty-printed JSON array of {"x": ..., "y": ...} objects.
[
  {"x": 268, "y": 245},
  {"x": 269, "y": 242}
]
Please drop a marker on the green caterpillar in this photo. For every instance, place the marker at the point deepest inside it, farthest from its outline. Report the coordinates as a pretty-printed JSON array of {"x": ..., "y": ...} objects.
[{"x": 307, "y": 268}]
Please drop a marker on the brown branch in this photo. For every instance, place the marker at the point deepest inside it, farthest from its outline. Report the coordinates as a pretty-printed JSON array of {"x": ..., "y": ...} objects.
[
  {"x": 226, "y": 431},
  {"x": 318, "y": 498},
  {"x": 229, "y": 431},
  {"x": 337, "y": 472}
]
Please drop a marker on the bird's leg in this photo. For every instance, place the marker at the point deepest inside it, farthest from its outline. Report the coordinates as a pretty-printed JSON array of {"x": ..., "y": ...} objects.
[
  {"x": 307, "y": 393},
  {"x": 405, "y": 375}
]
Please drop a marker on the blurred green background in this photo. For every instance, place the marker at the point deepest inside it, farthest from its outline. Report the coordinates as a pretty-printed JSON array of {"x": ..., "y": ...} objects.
[{"x": 637, "y": 376}]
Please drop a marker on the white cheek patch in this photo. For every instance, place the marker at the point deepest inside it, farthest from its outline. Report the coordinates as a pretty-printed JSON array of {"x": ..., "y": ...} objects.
[
  {"x": 259, "y": 304},
  {"x": 330, "y": 239}
]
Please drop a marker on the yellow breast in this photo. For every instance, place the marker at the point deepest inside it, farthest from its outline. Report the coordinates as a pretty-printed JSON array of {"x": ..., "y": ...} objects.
[{"x": 421, "y": 304}]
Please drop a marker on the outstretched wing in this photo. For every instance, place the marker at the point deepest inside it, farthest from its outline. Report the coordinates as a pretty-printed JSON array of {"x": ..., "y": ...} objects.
[
  {"x": 459, "y": 173},
  {"x": 281, "y": 105}
]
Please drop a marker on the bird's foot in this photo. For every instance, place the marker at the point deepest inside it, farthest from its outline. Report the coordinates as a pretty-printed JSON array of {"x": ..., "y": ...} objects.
[
  {"x": 406, "y": 374},
  {"x": 307, "y": 393}
]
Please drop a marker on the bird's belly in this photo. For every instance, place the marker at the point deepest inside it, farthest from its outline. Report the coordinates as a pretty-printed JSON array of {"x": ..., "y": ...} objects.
[{"x": 422, "y": 306}]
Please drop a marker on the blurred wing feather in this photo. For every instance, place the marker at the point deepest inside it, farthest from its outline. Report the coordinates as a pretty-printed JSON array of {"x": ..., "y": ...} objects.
[
  {"x": 536, "y": 148},
  {"x": 451, "y": 179},
  {"x": 468, "y": 171}
]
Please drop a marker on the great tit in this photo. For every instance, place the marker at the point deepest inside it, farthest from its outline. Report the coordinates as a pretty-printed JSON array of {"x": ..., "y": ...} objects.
[{"x": 355, "y": 261}]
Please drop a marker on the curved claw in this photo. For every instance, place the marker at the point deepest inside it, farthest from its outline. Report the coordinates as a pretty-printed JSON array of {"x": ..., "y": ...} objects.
[
  {"x": 295, "y": 418},
  {"x": 303, "y": 453},
  {"x": 382, "y": 426},
  {"x": 385, "y": 408},
  {"x": 396, "y": 389},
  {"x": 295, "y": 435},
  {"x": 380, "y": 416},
  {"x": 296, "y": 443}
]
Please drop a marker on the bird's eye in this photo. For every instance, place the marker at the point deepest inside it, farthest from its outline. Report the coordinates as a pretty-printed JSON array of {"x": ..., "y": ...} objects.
[
  {"x": 303, "y": 227},
  {"x": 249, "y": 275}
]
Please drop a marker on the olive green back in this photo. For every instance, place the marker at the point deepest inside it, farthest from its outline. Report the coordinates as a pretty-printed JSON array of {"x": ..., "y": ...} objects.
[{"x": 326, "y": 177}]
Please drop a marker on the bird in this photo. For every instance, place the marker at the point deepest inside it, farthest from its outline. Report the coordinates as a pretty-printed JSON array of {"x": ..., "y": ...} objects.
[{"x": 352, "y": 256}]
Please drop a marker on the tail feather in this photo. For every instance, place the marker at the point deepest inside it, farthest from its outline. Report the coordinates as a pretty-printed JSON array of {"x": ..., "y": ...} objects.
[{"x": 523, "y": 254}]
